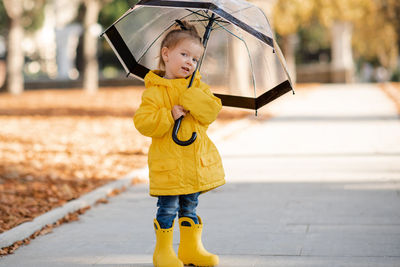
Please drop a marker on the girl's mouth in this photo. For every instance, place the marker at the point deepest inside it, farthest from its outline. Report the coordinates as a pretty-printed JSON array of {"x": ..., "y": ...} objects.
[{"x": 185, "y": 69}]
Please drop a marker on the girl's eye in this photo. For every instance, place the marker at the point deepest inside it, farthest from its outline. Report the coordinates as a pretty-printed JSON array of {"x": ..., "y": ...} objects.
[
  {"x": 184, "y": 54},
  {"x": 195, "y": 60}
]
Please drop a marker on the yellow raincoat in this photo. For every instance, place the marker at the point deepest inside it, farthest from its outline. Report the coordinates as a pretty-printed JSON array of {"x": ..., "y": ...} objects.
[{"x": 175, "y": 169}]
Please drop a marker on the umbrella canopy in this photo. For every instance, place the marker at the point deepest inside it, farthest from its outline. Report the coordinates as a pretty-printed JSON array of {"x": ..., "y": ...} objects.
[{"x": 241, "y": 53}]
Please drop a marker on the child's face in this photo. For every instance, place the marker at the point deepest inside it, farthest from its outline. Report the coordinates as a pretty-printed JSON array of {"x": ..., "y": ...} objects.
[{"x": 181, "y": 61}]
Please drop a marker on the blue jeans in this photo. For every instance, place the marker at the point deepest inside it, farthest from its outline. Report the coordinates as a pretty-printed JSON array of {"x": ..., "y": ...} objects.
[{"x": 169, "y": 206}]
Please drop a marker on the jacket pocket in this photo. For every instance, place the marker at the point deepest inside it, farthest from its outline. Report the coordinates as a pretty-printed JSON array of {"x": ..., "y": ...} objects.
[
  {"x": 211, "y": 170},
  {"x": 164, "y": 174},
  {"x": 164, "y": 165}
]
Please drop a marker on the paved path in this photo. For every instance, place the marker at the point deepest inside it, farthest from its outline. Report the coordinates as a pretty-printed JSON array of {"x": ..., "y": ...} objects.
[{"x": 318, "y": 185}]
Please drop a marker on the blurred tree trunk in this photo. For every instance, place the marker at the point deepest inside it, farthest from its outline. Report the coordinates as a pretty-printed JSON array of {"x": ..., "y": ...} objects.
[
  {"x": 267, "y": 6},
  {"x": 239, "y": 68},
  {"x": 289, "y": 51},
  {"x": 15, "y": 54},
  {"x": 90, "y": 39},
  {"x": 391, "y": 10},
  {"x": 342, "y": 56}
]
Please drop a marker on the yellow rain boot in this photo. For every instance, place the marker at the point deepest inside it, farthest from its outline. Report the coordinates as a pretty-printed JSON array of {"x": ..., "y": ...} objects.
[
  {"x": 191, "y": 249},
  {"x": 164, "y": 255}
]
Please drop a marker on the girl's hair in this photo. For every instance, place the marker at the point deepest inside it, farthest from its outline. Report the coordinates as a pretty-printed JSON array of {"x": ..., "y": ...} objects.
[{"x": 183, "y": 30}]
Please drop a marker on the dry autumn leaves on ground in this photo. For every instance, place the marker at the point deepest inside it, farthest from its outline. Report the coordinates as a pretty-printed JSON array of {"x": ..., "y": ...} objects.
[{"x": 56, "y": 145}]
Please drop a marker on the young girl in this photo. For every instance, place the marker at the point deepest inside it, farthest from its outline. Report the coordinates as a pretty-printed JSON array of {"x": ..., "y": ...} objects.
[{"x": 178, "y": 174}]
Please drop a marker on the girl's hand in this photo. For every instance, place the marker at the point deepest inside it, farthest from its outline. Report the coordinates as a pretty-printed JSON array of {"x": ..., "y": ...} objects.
[{"x": 178, "y": 111}]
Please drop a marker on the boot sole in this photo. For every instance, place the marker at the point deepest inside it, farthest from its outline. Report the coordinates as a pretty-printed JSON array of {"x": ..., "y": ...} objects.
[{"x": 198, "y": 265}]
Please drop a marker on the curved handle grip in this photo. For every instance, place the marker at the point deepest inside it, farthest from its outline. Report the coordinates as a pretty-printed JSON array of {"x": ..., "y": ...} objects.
[{"x": 177, "y": 125}]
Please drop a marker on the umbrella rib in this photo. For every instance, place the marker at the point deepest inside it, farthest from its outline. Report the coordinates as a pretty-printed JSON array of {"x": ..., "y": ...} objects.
[
  {"x": 248, "y": 53},
  {"x": 198, "y": 20},
  {"x": 155, "y": 40},
  {"x": 197, "y": 13},
  {"x": 240, "y": 10},
  {"x": 207, "y": 18},
  {"x": 221, "y": 21}
]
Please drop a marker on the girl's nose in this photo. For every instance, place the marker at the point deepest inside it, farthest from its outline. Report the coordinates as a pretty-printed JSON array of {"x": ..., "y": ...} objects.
[{"x": 190, "y": 61}]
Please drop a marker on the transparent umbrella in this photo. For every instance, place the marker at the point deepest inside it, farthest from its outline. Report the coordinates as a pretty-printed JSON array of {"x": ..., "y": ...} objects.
[{"x": 242, "y": 60}]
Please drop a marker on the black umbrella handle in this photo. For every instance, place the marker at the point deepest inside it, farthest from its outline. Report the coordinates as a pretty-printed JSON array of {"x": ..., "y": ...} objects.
[{"x": 177, "y": 125}]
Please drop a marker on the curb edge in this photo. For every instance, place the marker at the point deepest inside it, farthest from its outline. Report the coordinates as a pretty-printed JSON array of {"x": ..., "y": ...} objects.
[{"x": 25, "y": 230}]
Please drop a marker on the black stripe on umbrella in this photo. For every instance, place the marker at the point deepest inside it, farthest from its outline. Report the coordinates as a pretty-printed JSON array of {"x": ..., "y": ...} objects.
[
  {"x": 122, "y": 51},
  {"x": 255, "y": 103}
]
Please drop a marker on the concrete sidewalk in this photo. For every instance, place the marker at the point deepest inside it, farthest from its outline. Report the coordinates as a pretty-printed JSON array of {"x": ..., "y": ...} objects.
[{"x": 317, "y": 185}]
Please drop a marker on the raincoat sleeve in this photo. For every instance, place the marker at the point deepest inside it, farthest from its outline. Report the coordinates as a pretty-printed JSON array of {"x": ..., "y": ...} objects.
[
  {"x": 201, "y": 103},
  {"x": 152, "y": 119}
]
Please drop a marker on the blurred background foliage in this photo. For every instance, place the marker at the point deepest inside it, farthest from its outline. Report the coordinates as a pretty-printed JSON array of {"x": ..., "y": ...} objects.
[
  {"x": 3, "y": 18},
  {"x": 113, "y": 10},
  {"x": 359, "y": 37},
  {"x": 32, "y": 17},
  {"x": 375, "y": 29}
]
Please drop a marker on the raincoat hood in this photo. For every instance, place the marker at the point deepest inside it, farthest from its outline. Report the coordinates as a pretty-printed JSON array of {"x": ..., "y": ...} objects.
[{"x": 155, "y": 78}]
